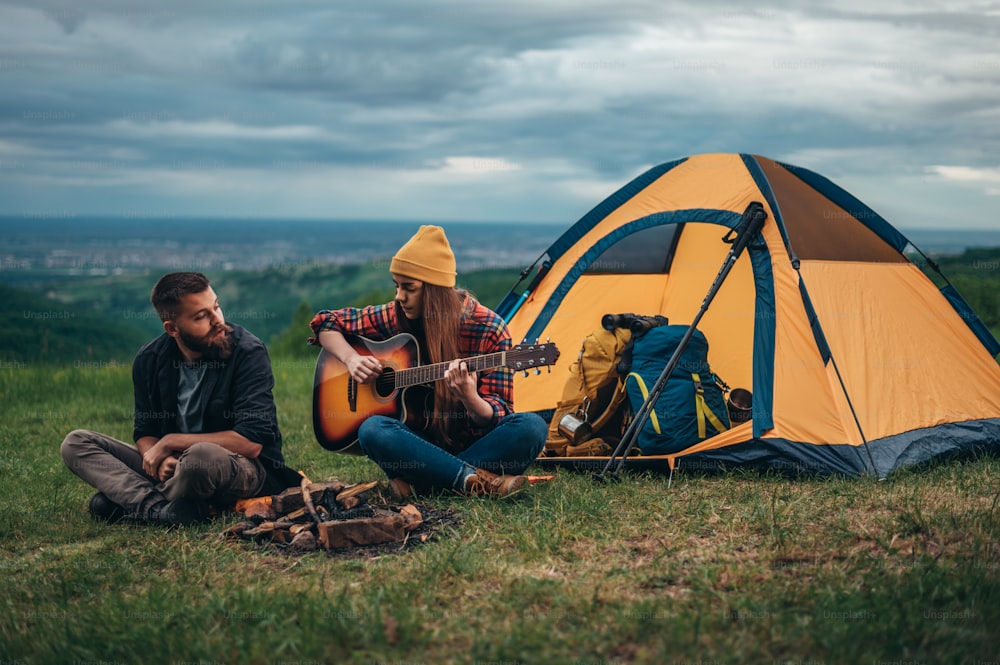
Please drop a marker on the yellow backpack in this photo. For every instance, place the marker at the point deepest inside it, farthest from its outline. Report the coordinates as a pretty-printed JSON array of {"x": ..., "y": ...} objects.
[{"x": 592, "y": 407}]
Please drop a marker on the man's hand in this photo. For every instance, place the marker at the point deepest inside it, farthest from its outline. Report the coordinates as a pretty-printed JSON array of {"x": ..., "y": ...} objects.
[
  {"x": 167, "y": 469},
  {"x": 153, "y": 458}
]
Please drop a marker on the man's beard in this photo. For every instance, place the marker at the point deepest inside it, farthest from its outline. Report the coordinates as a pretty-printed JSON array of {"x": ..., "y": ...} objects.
[{"x": 211, "y": 349}]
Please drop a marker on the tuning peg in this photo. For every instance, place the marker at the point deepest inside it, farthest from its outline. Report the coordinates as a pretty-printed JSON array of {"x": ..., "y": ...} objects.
[
  {"x": 525, "y": 373},
  {"x": 537, "y": 371}
]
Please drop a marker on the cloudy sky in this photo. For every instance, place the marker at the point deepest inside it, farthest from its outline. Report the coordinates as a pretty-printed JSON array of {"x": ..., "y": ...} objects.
[{"x": 522, "y": 110}]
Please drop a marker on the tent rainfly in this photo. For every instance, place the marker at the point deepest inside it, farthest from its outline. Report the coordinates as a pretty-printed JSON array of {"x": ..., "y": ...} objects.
[{"x": 859, "y": 364}]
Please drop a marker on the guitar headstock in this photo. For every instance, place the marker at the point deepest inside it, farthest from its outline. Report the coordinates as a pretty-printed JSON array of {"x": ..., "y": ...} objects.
[{"x": 524, "y": 357}]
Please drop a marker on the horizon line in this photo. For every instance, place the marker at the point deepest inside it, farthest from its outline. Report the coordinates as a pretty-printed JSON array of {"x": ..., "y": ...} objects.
[{"x": 67, "y": 216}]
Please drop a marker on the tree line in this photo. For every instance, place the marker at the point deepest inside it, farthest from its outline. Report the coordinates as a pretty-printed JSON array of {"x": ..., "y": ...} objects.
[{"x": 111, "y": 322}]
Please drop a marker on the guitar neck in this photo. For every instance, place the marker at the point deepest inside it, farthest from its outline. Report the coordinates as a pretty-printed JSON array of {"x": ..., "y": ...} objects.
[{"x": 435, "y": 372}]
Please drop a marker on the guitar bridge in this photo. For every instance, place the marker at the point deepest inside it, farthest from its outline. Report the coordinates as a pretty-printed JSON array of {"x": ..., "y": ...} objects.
[{"x": 352, "y": 394}]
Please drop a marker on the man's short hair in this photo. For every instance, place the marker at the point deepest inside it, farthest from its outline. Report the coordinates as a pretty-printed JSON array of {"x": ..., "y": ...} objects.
[{"x": 171, "y": 288}]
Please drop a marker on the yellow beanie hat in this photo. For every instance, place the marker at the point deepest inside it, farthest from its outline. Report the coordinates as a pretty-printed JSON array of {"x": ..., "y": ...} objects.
[{"x": 426, "y": 256}]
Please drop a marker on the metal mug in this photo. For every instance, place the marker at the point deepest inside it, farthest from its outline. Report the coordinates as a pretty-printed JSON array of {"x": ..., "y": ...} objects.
[
  {"x": 575, "y": 428},
  {"x": 740, "y": 405}
]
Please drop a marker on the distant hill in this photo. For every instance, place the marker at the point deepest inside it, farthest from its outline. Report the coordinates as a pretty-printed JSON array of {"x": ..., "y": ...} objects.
[
  {"x": 101, "y": 317},
  {"x": 952, "y": 241},
  {"x": 34, "y": 328},
  {"x": 110, "y": 317},
  {"x": 264, "y": 301},
  {"x": 976, "y": 275}
]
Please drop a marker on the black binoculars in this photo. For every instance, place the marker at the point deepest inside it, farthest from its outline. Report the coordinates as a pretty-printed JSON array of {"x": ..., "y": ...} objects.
[{"x": 636, "y": 323}]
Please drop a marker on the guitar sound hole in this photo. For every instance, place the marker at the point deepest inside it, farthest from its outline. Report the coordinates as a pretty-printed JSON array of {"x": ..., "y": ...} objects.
[{"x": 385, "y": 384}]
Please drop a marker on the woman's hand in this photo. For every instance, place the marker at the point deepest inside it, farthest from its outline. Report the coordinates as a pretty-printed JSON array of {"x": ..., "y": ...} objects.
[
  {"x": 460, "y": 381},
  {"x": 464, "y": 385},
  {"x": 364, "y": 369}
]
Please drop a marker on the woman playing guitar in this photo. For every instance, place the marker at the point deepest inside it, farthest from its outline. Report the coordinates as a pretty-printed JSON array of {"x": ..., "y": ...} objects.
[{"x": 467, "y": 438}]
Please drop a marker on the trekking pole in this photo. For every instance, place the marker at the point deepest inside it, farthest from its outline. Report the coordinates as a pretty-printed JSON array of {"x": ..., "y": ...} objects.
[{"x": 749, "y": 226}]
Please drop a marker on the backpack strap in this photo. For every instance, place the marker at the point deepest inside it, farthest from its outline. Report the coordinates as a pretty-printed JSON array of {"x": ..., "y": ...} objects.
[
  {"x": 645, "y": 397},
  {"x": 701, "y": 407}
]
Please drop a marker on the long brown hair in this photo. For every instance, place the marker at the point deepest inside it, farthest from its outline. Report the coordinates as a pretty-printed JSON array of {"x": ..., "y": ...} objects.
[{"x": 443, "y": 310}]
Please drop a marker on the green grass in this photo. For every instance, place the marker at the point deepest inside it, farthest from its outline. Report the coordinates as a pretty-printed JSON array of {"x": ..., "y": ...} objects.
[{"x": 737, "y": 568}]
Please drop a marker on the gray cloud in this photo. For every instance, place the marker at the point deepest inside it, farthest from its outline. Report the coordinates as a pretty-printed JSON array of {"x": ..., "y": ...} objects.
[{"x": 447, "y": 110}]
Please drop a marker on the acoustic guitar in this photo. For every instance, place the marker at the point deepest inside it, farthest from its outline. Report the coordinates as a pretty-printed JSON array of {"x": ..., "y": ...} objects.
[{"x": 404, "y": 389}]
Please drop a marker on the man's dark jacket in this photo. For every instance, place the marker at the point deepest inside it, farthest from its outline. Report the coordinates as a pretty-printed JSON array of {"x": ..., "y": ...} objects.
[{"x": 236, "y": 396}]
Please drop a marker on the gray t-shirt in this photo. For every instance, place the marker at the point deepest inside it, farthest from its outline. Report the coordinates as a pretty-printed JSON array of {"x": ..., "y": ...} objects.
[{"x": 190, "y": 409}]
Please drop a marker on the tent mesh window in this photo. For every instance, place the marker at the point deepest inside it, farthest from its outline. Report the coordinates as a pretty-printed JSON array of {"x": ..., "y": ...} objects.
[{"x": 646, "y": 251}]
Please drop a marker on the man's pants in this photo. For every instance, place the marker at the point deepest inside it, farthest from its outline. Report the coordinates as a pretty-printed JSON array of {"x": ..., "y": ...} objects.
[{"x": 205, "y": 472}]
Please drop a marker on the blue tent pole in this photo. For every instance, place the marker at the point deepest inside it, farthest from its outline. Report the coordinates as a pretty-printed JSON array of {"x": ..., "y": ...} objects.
[{"x": 527, "y": 292}]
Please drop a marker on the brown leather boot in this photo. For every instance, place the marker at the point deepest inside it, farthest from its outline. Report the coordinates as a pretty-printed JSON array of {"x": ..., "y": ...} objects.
[
  {"x": 488, "y": 484},
  {"x": 400, "y": 488}
]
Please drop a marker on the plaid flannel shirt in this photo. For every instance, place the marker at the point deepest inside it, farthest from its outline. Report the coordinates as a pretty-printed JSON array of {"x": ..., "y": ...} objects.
[{"x": 482, "y": 331}]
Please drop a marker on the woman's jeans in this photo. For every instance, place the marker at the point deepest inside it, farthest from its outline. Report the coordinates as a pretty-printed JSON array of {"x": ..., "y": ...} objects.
[{"x": 509, "y": 448}]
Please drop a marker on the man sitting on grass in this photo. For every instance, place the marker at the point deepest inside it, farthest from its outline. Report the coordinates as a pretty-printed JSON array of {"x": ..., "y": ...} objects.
[{"x": 206, "y": 429}]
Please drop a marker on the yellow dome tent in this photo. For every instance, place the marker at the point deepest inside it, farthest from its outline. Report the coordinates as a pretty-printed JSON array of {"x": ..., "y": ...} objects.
[{"x": 858, "y": 363}]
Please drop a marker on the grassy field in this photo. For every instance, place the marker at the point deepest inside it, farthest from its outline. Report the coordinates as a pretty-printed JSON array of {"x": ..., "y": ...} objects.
[{"x": 731, "y": 569}]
